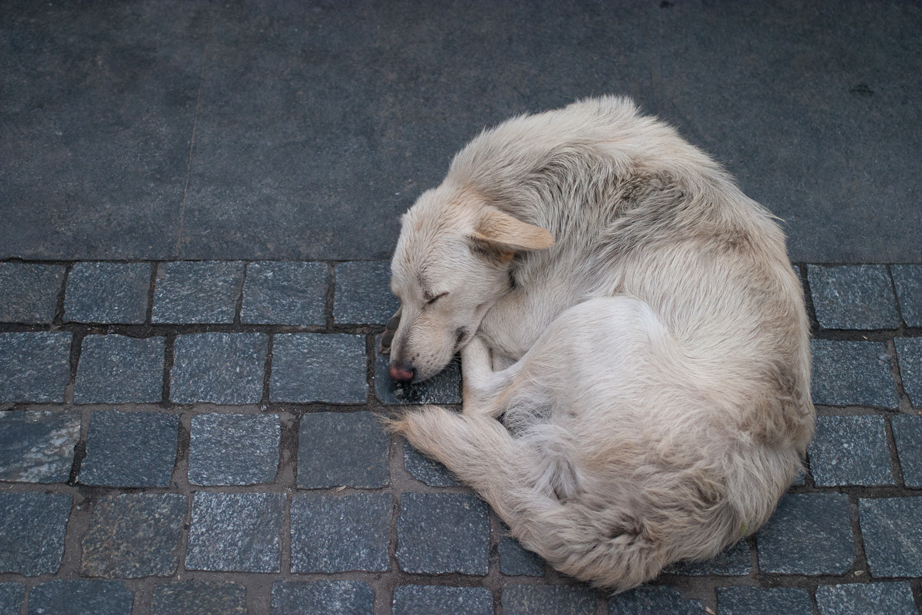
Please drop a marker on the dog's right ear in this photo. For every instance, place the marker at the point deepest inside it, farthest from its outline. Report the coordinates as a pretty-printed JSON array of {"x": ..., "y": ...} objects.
[{"x": 504, "y": 235}]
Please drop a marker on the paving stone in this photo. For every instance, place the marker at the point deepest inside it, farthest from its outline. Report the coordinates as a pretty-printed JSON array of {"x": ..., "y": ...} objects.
[
  {"x": 37, "y": 446},
  {"x": 427, "y": 470},
  {"x": 130, "y": 449},
  {"x": 322, "y": 598},
  {"x": 548, "y": 600},
  {"x": 199, "y": 598},
  {"x": 80, "y": 597},
  {"x": 340, "y": 534},
  {"x": 908, "y": 282},
  {"x": 907, "y": 432},
  {"x": 892, "y": 535},
  {"x": 309, "y": 367},
  {"x": 234, "y": 449},
  {"x": 34, "y": 366},
  {"x": 32, "y": 527},
  {"x": 850, "y": 450},
  {"x": 444, "y": 388},
  {"x": 852, "y": 373},
  {"x": 342, "y": 448},
  {"x": 514, "y": 559},
  {"x": 363, "y": 293},
  {"x": 909, "y": 355},
  {"x": 863, "y": 598},
  {"x": 12, "y": 596},
  {"x": 29, "y": 292},
  {"x": 235, "y": 532},
  {"x": 107, "y": 293},
  {"x": 808, "y": 534},
  {"x": 197, "y": 292},
  {"x": 439, "y": 533},
  {"x": 759, "y": 601},
  {"x": 853, "y": 297},
  {"x": 220, "y": 368},
  {"x": 285, "y": 293},
  {"x": 441, "y": 600},
  {"x": 733, "y": 561},
  {"x": 117, "y": 369},
  {"x": 134, "y": 535},
  {"x": 653, "y": 601}
]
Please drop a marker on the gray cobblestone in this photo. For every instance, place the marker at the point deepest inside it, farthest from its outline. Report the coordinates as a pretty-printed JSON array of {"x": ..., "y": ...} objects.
[
  {"x": 217, "y": 441},
  {"x": 850, "y": 450},
  {"x": 37, "y": 446},
  {"x": 12, "y": 595},
  {"x": 547, "y": 600},
  {"x": 853, "y": 297},
  {"x": 80, "y": 597},
  {"x": 342, "y": 448},
  {"x": 440, "y": 600},
  {"x": 427, "y": 470},
  {"x": 907, "y": 432},
  {"x": 322, "y": 598},
  {"x": 32, "y": 527},
  {"x": 285, "y": 294},
  {"x": 908, "y": 282},
  {"x": 28, "y": 292},
  {"x": 363, "y": 293},
  {"x": 34, "y": 366},
  {"x": 733, "y": 561},
  {"x": 439, "y": 533},
  {"x": 117, "y": 369},
  {"x": 197, "y": 292},
  {"x": 310, "y": 367},
  {"x": 107, "y": 293},
  {"x": 892, "y": 535},
  {"x": 134, "y": 535},
  {"x": 864, "y": 598},
  {"x": 852, "y": 373},
  {"x": 235, "y": 532},
  {"x": 909, "y": 355},
  {"x": 760, "y": 601},
  {"x": 130, "y": 449},
  {"x": 444, "y": 388},
  {"x": 221, "y": 368},
  {"x": 340, "y": 534},
  {"x": 515, "y": 560},
  {"x": 199, "y": 598},
  {"x": 653, "y": 601}
]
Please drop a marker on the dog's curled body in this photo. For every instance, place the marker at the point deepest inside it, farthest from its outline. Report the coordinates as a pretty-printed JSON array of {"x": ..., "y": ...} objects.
[{"x": 655, "y": 372}]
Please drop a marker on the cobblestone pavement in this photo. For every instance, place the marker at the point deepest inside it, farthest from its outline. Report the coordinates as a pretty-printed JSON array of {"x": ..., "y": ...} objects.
[{"x": 202, "y": 437}]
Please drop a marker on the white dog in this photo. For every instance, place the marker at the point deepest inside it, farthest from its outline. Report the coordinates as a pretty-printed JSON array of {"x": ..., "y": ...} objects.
[{"x": 647, "y": 331}]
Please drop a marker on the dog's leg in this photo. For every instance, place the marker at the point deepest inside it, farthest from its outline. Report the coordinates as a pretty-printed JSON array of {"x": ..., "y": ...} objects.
[{"x": 482, "y": 386}]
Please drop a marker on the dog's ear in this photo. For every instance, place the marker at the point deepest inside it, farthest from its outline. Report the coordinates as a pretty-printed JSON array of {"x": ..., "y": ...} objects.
[{"x": 505, "y": 234}]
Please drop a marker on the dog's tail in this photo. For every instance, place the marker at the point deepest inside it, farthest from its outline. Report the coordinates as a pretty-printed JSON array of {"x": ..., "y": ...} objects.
[{"x": 601, "y": 547}]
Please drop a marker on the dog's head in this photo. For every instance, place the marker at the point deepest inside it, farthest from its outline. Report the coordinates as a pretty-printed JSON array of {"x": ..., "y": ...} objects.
[{"x": 451, "y": 265}]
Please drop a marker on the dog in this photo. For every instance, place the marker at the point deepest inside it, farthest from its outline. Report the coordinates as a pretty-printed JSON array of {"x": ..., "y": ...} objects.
[{"x": 634, "y": 344}]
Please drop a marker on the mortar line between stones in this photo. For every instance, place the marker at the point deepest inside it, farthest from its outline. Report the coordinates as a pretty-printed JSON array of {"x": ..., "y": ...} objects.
[
  {"x": 151, "y": 289},
  {"x": 58, "y": 317}
]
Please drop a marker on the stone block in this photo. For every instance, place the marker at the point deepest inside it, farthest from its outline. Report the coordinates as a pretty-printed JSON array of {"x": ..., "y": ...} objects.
[
  {"x": 80, "y": 597},
  {"x": 311, "y": 367},
  {"x": 342, "y": 448},
  {"x": 863, "y": 598},
  {"x": 363, "y": 293},
  {"x": 234, "y": 449},
  {"x": 548, "y": 600},
  {"x": 653, "y": 601},
  {"x": 326, "y": 597},
  {"x": 853, "y": 297},
  {"x": 440, "y": 533},
  {"x": 107, "y": 293},
  {"x": 29, "y": 292},
  {"x": 909, "y": 356},
  {"x": 438, "y": 599},
  {"x": 908, "y": 282},
  {"x": 515, "y": 560},
  {"x": 197, "y": 292},
  {"x": 852, "y": 373},
  {"x": 907, "y": 432},
  {"x": 759, "y": 600},
  {"x": 116, "y": 369},
  {"x": 733, "y": 561},
  {"x": 34, "y": 366},
  {"x": 892, "y": 535},
  {"x": 12, "y": 595},
  {"x": 199, "y": 598},
  {"x": 443, "y": 388},
  {"x": 130, "y": 449},
  {"x": 285, "y": 293},
  {"x": 427, "y": 470},
  {"x": 32, "y": 527},
  {"x": 850, "y": 450},
  {"x": 37, "y": 446},
  {"x": 220, "y": 368}
]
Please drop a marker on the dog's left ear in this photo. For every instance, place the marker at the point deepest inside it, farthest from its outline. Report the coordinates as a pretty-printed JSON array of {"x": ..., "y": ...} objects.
[{"x": 506, "y": 234}]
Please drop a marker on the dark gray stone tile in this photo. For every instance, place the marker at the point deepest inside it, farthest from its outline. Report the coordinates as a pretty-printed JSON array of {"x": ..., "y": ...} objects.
[
  {"x": 130, "y": 449},
  {"x": 908, "y": 282},
  {"x": 853, "y": 297},
  {"x": 285, "y": 293},
  {"x": 134, "y": 535},
  {"x": 340, "y": 534},
  {"x": 427, "y": 470},
  {"x": 441, "y": 600},
  {"x": 237, "y": 532},
  {"x": 758, "y": 601},
  {"x": 107, "y": 293},
  {"x": 653, "y": 601},
  {"x": 34, "y": 366},
  {"x": 117, "y": 369},
  {"x": 733, "y": 561},
  {"x": 28, "y": 292},
  {"x": 80, "y": 597},
  {"x": 322, "y": 598},
  {"x": 548, "y": 600},
  {"x": 850, "y": 450},
  {"x": 444, "y": 388},
  {"x": 197, "y": 292},
  {"x": 852, "y": 373},
  {"x": 12, "y": 596},
  {"x": 907, "y": 432},
  {"x": 515, "y": 560},
  {"x": 217, "y": 441},
  {"x": 808, "y": 534},
  {"x": 892, "y": 535},
  {"x": 439, "y": 533},
  {"x": 863, "y": 598},
  {"x": 37, "y": 446},
  {"x": 199, "y": 598},
  {"x": 309, "y": 367},
  {"x": 32, "y": 527},
  {"x": 363, "y": 293},
  {"x": 342, "y": 448},
  {"x": 221, "y": 368},
  {"x": 909, "y": 356}
]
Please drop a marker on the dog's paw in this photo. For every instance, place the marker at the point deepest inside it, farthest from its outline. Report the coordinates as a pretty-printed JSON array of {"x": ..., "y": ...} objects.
[{"x": 389, "y": 330}]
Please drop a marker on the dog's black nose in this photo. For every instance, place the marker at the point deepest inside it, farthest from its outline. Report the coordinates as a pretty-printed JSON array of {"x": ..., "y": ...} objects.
[{"x": 401, "y": 372}]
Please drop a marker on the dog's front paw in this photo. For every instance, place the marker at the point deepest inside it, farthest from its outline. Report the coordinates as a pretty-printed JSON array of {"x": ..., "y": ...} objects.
[{"x": 389, "y": 330}]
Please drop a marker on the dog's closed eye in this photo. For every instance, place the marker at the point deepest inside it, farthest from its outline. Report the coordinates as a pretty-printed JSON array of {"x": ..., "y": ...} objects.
[{"x": 429, "y": 299}]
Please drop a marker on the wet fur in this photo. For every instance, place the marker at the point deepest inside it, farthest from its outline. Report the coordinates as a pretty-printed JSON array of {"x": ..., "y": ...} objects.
[{"x": 648, "y": 336}]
